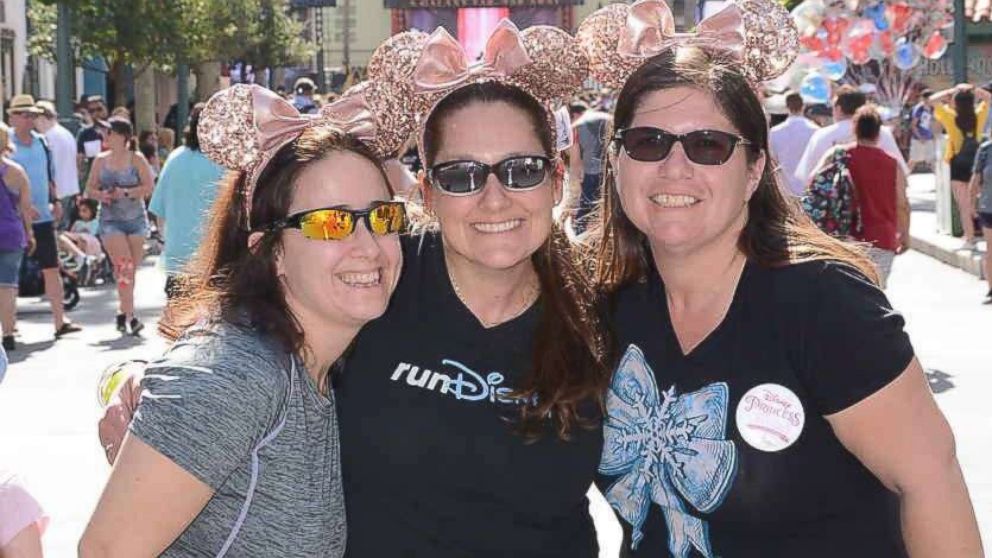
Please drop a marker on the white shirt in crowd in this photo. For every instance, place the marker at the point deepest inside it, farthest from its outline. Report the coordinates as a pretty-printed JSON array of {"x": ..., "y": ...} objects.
[
  {"x": 63, "y": 146},
  {"x": 788, "y": 142},
  {"x": 841, "y": 133}
]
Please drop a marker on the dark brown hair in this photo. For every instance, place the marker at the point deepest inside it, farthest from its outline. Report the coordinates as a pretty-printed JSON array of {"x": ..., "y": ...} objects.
[
  {"x": 777, "y": 232},
  {"x": 794, "y": 102},
  {"x": 849, "y": 99},
  {"x": 123, "y": 127},
  {"x": 241, "y": 285},
  {"x": 192, "y": 140},
  {"x": 964, "y": 107},
  {"x": 867, "y": 123},
  {"x": 569, "y": 375}
]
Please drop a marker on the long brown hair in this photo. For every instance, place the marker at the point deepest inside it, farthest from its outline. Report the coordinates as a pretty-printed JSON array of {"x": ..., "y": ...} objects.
[
  {"x": 777, "y": 232},
  {"x": 226, "y": 278},
  {"x": 569, "y": 369}
]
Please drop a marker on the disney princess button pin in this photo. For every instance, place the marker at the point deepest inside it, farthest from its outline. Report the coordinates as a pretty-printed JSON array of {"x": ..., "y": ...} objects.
[{"x": 770, "y": 417}]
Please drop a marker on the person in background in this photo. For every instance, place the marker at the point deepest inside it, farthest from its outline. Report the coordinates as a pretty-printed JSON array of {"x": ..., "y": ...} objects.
[
  {"x": 120, "y": 181},
  {"x": 62, "y": 144},
  {"x": 16, "y": 235},
  {"x": 166, "y": 143},
  {"x": 881, "y": 193},
  {"x": 788, "y": 142},
  {"x": 963, "y": 123},
  {"x": 847, "y": 101},
  {"x": 22, "y": 520},
  {"x": 303, "y": 99},
  {"x": 590, "y": 126},
  {"x": 185, "y": 191},
  {"x": 31, "y": 153},
  {"x": 89, "y": 140},
  {"x": 81, "y": 239},
  {"x": 980, "y": 187},
  {"x": 922, "y": 148}
]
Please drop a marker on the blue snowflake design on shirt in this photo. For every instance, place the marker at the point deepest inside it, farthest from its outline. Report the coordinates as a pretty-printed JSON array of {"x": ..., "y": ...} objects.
[{"x": 668, "y": 449}]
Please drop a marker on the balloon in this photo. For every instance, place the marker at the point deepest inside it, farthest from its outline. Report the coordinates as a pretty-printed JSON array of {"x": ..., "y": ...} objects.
[
  {"x": 884, "y": 44},
  {"x": 835, "y": 28},
  {"x": 834, "y": 70},
  {"x": 876, "y": 13},
  {"x": 857, "y": 44},
  {"x": 812, "y": 43},
  {"x": 833, "y": 53},
  {"x": 935, "y": 46},
  {"x": 808, "y": 16},
  {"x": 898, "y": 15},
  {"x": 906, "y": 55},
  {"x": 815, "y": 88}
]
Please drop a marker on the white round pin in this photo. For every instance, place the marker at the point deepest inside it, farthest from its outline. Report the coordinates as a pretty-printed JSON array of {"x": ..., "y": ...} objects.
[{"x": 770, "y": 417}]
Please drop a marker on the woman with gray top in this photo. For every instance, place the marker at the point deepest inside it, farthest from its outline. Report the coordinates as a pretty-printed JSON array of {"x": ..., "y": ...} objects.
[
  {"x": 120, "y": 180},
  {"x": 981, "y": 188},
  {"x": 233, "y": 449}
]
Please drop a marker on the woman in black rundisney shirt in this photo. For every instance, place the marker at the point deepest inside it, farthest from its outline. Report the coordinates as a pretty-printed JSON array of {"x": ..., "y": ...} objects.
[
  {"x": 470, "y": 412},
  {"x": 767, "y": 402}
]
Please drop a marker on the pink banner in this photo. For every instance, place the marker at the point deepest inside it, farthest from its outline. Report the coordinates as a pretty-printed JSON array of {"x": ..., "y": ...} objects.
[{"x": 475, "y": 26}]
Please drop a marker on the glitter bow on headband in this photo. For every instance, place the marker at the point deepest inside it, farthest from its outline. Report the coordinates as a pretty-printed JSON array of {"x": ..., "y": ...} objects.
[
  {"x": 759, "y": 34},
  {"x": 244, "y": 126},
  {"x": 545, "y": 62},
  {"x": 444, "y": 64}
]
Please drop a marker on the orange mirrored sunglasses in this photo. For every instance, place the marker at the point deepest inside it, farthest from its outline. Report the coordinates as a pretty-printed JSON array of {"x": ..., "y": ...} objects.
[{"x": 337, "y": 223}]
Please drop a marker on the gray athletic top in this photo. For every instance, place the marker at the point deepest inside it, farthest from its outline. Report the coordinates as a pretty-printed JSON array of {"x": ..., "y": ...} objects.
[
  {"x": 122, "y": 209},
  {"x": 227, "y": 404}
]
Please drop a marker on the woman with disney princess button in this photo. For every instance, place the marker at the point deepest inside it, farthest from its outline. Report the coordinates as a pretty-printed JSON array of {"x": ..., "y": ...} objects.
[
  {"x": 767, "y": 401},
  {"x": 470, "y": 411},
  {"x": 233, "y": 449}
]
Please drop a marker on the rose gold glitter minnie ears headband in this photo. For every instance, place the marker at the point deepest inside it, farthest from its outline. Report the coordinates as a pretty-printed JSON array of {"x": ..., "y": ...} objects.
[
  {"x": 545, "y": 62},
  {"x": 244, "y": 126},
  {"x": 620, "y": 38}
]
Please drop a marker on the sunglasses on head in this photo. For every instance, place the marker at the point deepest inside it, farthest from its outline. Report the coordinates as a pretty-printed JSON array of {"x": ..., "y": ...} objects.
[
  {"x": 337, "y": 223},
  {"x": 464, "y": 178},
  {"x": 703, "y": 147}
]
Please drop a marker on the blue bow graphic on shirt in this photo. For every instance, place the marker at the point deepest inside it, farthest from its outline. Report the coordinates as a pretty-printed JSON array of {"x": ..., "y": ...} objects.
[{"x": 669, "y": 449}]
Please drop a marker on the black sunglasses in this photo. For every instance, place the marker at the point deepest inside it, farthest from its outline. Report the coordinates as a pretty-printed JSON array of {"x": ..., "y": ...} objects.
[
  {"x": 337, "y": 223},
  {"x": 464, "y": 178},
  {"x": 703, "y": 147}
]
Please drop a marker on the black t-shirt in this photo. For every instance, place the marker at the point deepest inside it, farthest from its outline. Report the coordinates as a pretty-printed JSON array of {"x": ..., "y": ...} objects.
[
  {"x": 725, "y": 451},
  {"x": 431, "y": 465}
]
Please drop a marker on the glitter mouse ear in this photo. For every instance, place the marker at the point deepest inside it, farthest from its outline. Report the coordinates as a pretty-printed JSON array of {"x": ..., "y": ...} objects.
[
  {"x": 356, "y": 113},
  {"x": 558, "y": 66},
  {"x": 227, "y": 132},
  {"x": 759, "y": 35},
  {"x": 599, "y": 37},
  {"x": 771, "y": 39},
  {"x": 391, "y": 67}
]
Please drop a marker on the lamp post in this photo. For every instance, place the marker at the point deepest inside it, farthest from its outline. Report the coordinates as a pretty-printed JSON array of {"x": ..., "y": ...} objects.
[
  {"x": 182, "y": 99},
  {"x": 64, "y": 69},
  {"x": 960, "y": 48}
]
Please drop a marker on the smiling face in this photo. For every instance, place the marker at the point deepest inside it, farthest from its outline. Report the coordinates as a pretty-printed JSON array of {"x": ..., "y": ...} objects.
[
  {"x": 680, "y": 205},
  {"x": 344, "y": 282},
  {"x": 496, "y": 228}
]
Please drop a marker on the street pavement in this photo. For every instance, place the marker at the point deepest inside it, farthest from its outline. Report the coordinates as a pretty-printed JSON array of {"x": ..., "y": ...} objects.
[{"x": 49, "y": 409}]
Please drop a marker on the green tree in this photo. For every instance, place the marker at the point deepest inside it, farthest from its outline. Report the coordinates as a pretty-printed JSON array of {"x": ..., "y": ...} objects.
[{"x": 160, "y": 33}]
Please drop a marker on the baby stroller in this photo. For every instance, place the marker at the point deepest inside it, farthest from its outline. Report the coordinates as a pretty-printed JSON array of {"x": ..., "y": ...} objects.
[{"x": 32, "y": 283}]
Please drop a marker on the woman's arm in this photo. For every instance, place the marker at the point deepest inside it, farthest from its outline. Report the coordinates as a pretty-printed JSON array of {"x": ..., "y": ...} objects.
[
  {"x": 93, "y": 182},
  {"x": 901, "y": 436},
  {"x": 144, "y": 190},
  {"x": 16, "y": 177},
  {"x": 942, "y": 96},
  {"x": 144, "y": 484},
  {"x": 26, "y": 544},
  {"x": 903, "y": 212}
]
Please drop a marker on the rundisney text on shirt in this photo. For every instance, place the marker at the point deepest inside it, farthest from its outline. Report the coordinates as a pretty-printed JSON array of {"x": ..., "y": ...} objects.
[{"x": 459, "y": 381}]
